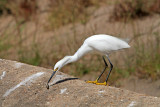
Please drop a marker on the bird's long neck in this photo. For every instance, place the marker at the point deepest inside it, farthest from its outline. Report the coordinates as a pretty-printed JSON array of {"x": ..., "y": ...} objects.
[
  {"x": 80, "y": 53},
  {"x": 69, "y": 59},
  {"x": 73, "y": 58}
]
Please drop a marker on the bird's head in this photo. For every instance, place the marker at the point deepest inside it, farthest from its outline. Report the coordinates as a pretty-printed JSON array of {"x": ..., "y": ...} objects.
[{"x": 61, "y": 63}]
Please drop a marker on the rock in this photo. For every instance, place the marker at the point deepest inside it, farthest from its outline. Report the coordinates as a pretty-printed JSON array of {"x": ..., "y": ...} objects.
[{"x": 74, "y": 92}]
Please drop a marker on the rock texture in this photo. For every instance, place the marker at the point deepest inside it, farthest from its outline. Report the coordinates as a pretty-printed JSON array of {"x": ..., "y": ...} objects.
[{"x": 25, "y": 85}]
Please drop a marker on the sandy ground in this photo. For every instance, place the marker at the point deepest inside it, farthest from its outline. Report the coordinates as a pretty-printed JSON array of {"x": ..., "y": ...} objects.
[{"x": 24, "y": 85}]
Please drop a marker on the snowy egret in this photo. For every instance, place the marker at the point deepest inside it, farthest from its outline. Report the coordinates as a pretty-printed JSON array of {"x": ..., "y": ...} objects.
[{"x": 103, "y": 44}]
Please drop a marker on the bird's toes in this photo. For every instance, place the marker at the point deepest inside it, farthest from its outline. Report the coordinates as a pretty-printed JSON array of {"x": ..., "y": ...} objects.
[
  {"x": 104, "y": 83},
  {"x": 94, "y": 82}
]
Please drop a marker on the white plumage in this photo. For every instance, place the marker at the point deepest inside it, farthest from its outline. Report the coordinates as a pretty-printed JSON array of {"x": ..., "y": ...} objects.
[{"x": 103, "y": 44}]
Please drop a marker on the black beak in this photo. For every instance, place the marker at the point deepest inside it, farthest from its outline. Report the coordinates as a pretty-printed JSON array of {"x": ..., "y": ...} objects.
[{"x": 47, "y": 86}]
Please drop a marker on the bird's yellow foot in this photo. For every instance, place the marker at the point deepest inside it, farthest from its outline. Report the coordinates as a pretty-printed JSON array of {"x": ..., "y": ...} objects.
[
  {"x": 94, "y": 82},
  {"x": 102, "y": 83}
]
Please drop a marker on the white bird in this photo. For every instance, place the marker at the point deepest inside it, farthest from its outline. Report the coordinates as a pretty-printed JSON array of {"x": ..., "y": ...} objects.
[{"x": 103, "y": 44}]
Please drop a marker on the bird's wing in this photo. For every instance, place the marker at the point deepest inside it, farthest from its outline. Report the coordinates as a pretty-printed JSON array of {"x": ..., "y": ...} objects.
[{"x": 106, "y": 43}]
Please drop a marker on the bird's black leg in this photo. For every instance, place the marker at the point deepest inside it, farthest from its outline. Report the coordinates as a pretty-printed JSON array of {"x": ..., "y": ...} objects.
[
  {"x": 96, "y": 81},
  {"x": 106, "y": 65},
  {"x": 110, "y": 69}
]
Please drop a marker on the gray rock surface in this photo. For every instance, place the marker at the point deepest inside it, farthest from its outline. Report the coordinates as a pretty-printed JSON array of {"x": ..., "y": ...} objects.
[{"x": 25, "y": 85}]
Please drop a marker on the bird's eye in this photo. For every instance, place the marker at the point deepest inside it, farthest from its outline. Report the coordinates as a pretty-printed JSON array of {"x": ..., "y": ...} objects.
[{"x": 56, "y": 69}]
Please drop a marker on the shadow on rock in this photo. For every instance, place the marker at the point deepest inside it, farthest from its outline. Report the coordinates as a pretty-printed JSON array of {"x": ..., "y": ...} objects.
[{"x": 66, "y": 79}]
